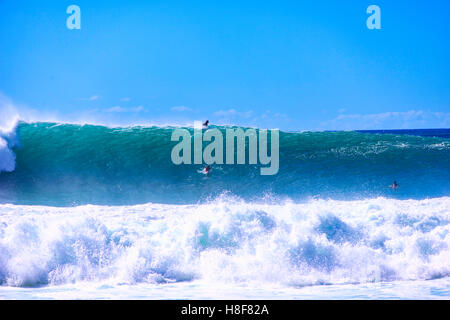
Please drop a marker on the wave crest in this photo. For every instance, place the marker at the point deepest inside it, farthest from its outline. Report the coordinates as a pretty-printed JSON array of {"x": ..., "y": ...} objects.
[
  {"x": 9, "y": 119},
  {"x": 8, "y": 139}
]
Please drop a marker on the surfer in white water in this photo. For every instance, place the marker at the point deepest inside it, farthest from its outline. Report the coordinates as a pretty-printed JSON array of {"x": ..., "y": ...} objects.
[
  {"x": 206, "y": 124},
  {"x": 395, "y": 185},
  {"x": 207, "y": 170}
]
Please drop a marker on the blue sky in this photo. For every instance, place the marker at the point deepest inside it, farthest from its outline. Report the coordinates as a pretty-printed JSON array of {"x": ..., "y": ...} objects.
[{"x": 294, "y": 65}]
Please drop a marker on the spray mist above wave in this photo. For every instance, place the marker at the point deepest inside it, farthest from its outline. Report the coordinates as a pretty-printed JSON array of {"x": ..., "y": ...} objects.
[
  {"x": 7, "y": 157},
  {"x": 227, "y": 240},
  {"x": 9, "y": 120}
]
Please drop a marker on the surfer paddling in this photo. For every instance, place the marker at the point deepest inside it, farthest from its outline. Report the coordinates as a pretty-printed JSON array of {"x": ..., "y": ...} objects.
[
  {"x": 394, "y": 185},
  {"x": 207, "y": 170}
]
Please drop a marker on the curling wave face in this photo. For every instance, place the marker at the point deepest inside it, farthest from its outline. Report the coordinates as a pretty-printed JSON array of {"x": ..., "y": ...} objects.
[
  {"x": 8, "y": 140},
  {"x": 70, "y": 165},
  {"x": 89, "y": 204}
]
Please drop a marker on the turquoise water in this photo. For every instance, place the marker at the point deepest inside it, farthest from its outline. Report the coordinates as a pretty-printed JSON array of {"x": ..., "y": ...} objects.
[
  {"x": 95, "y": 212},
  {"x": 68, "y": 165}
]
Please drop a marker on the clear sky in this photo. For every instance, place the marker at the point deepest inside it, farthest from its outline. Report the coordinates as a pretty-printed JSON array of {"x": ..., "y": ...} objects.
[{"x": 295, "y": 65}]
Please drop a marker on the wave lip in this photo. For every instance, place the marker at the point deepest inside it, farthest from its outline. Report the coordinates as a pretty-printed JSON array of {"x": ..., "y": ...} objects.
[
  {"x": 8, "y": 139},
  {"x": 7, "y": 157},
  {"x": 227, "y": 241}
]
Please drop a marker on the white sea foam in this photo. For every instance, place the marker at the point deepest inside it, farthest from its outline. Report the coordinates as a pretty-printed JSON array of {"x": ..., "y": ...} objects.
[
  {"x": 8, "y": 124},
  {"x": 7, "y": 157},
  {"x": 227, "y": 241}
]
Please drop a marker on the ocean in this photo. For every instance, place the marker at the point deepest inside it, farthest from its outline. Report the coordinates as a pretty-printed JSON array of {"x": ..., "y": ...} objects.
[{"x": 96, "y": 212}]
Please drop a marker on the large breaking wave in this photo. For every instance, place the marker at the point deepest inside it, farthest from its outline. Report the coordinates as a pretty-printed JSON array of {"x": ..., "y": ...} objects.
[
  {"x": 70, "y": 165},
  {"x": 84, "y": 203}
]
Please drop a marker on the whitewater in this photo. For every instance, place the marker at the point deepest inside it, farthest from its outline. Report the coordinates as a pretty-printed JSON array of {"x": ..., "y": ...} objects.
[
  {"x": 90, "y": 212},
  {"x": 289, "y": 248}
]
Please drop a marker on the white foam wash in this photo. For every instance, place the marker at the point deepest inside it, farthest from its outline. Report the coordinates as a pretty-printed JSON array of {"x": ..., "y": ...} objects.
[{"x": 228, "y": 248}]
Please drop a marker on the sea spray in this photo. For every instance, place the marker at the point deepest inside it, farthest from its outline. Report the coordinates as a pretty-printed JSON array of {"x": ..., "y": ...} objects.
[
  {"x": 8, "y": 138},
  {"x": 227, "y": 241}
]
